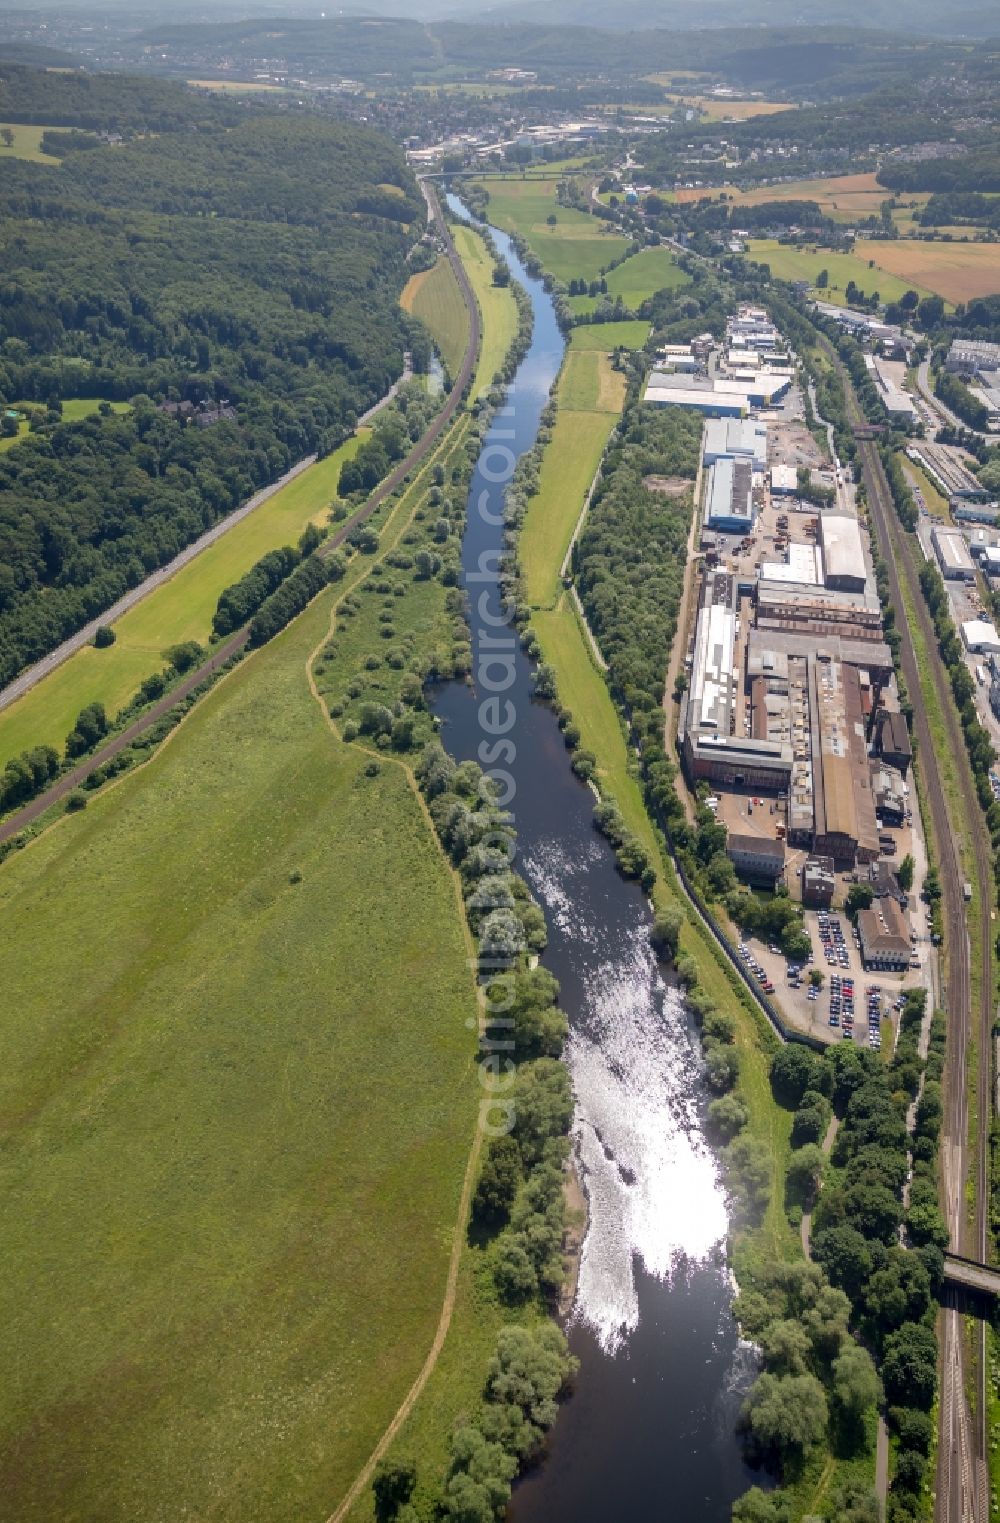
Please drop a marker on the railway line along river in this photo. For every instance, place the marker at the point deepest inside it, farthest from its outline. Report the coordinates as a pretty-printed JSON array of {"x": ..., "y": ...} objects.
[{"x": 649, "y": 1430}]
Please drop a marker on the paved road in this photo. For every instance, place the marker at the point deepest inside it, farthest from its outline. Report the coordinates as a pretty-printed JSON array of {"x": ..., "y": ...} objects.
[
  {"x": 222, "y": 653},
  {"x": 945, "y": 413}
]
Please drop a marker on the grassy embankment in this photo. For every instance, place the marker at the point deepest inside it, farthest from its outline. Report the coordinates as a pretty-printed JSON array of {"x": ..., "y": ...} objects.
[
  {"x": 236, "y": 1178},
  {"x": 936, "y": 504},
  {"x": 181, "y": 609},
  {"x": 646, "y": 272},
  {"x": 434, "y": 296},
  {"x": 496, "y": 303},
  {"x": 574, "y": 245}
]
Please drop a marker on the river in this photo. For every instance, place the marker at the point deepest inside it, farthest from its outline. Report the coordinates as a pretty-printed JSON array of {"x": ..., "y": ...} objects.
[{"x": 649, "y": 1431}]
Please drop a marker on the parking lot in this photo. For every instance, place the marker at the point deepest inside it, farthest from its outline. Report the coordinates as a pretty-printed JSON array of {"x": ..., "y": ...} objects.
[{"x": 850, "y": 1003}]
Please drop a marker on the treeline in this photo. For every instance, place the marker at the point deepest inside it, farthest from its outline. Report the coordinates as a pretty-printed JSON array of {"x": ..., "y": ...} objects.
[
  {"x": 396, "y": 429},
  {"x": 976, "y": 170},
  {"x": 236, "y": 268},
  {"x": 946, "y": 208},
  {"x": 956, "y": 395},
  {"x": 113, "y": 103},
  {"x": 294, "y": 594},
  {"x": 818, "y": 1385},
  {"x": 239, "y": 602}
]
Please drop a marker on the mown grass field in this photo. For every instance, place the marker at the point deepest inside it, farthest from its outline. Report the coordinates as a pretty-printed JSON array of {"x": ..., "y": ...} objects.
[
  {"x": 649, "y": 271},
  {"x": 631, "y": 334},
  {"x": 73, "y": 410},
  {"x": 496, "y": 304},
  {"x": 575, "y": 245},
  {"x": 957, "y": 271},
  {"x": 435, "y": 297},
  {"x": 578, "y": 440},
  {"x": 181, "y": 609},
  {"x": 27, "y": 143},
  {"x": 789, "y": 263},
  {"x": 589, "y": 383},
  {"x": 237, "y": 86},
  {"x": 232, "y": 1179}
]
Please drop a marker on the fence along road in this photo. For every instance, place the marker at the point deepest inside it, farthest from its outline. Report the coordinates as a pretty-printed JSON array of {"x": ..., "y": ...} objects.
[{"x": 236, "y": 642}]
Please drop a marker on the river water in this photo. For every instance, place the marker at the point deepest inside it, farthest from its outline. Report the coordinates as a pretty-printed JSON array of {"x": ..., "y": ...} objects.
[{"x": 649, "y": 1431}]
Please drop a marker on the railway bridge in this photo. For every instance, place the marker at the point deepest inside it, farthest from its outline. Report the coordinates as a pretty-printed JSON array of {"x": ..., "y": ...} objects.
[{"x": 970, "y": 1274}]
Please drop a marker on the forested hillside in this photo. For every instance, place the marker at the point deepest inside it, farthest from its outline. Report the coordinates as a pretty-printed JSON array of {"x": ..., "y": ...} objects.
[{"x": 256, "y": 266}]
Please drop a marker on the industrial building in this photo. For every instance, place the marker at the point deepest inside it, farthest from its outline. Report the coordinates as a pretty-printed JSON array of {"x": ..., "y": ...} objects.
[
  {"x": 666, "y": 391},
  {"x": 946, "y": 468},
  {"x": 758, "y": 859},
  {"x": 897, "y": 402},
  {"x": 818, "y": 882},
  {"x": 891, "y": 740},
  {"x": 735, "y": 439},
  {"x": 784, "y": 481},
  {"x": 970, "y": 355},
  {"x": 883, "y": 938},
  {"x": 804, "y": 567},
  {"x": 980, "y": 637},
  {"x": 843, "y": 552},
  {"x": 729, "y": 504},
  {"x": 953, "y": 555}
]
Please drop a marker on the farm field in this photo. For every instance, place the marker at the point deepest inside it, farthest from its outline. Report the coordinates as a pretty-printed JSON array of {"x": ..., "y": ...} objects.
[
  {"x": 27, "y": 143},
  {"x": 573, "y": 246},
  {"x": 254, "y": 1160},
  {"x": 631, "y": 334},
  {"x": 496, "y": 304},
  {"x": 845, "y": 198},
  {"x": 589, "y": 384},
  {"x": 434, "y": 296},
  {"x": 651, "y": 270},
  {"x": 789, "y": 263},
  {"x": 180, "y": 609},
  {"x": 714, "y": 109},
  {"x": 956, "y": 271}
]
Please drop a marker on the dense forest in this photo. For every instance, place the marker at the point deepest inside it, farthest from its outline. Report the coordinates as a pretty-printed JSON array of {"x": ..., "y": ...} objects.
[{"x": 238, "y": 286}]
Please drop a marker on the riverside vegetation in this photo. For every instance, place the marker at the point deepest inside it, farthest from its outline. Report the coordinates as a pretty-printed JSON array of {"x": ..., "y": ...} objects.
[{"x": 810, "y": 1415}]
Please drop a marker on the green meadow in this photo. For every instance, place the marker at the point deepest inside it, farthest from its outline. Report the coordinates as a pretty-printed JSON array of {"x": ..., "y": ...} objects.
[
  {"x": 435, "y": 297},
  {"x": 496, "y": 305},
  {"x": 641, "y": 276},
  {"x": 232, "y": 1181},
  {"x": 574, "y": 244},
  {"x": 180, "y": 609}
]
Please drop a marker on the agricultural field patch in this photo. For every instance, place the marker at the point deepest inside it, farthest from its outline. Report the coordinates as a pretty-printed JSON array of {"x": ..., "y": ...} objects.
[
  {"x": 250, "y": 1151},
  {"x": 573, "y": 245},
  {"x": 639, "y": 277},
  {"x": 237, "y": 86},
  {"x": 956, "y": 271},
  {"x": 790, "y": 263},
  {"x": 27, "y": 143},
  {"x": 631, "y": 334},
  {"x": 589, "y": 384},
  {"x": 845, "y": 198},
  {"x": 181, "y": 609},
  {"x": 435, "y": 297}
]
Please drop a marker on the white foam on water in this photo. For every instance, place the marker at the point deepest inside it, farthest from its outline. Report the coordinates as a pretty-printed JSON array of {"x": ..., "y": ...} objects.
[{"x": 653, "y": 1186}]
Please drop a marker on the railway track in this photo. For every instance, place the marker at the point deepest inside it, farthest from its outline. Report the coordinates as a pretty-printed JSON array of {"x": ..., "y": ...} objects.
[
  {"x": 65, "y": 784},
  {"x": 963, "y": 1491}
]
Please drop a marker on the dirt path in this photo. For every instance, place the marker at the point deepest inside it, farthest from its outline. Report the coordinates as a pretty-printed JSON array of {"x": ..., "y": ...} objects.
[
  {"x": 805, "y": 1226},
  {"x": 363, "y": 1479}
]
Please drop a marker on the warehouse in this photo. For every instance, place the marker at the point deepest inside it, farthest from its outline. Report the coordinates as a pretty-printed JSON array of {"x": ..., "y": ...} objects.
[
  {"x": 729, "y": 504},
  {"x": 953, "y": 555},
  {"x": 784, "y": 481},
  {"x": 706, "y": 732},
  {"x": 665, "y": 391},
  {"x": 980, "y": 637},
  {"x": 946, "y": 468},
  {"x": 843, "y": 552},
  {"x": 735, "y": 439},
  {"x": 970, "y": 355}
]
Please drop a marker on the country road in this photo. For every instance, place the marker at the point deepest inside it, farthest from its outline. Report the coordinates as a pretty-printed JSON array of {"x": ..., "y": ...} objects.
[{"x": 26, "y": 816}]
